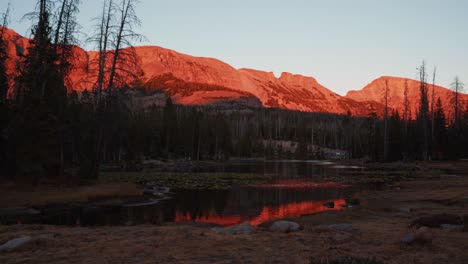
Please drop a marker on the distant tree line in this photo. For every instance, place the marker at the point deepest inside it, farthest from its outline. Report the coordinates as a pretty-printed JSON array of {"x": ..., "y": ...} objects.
[{"x": 48, "y": 130}]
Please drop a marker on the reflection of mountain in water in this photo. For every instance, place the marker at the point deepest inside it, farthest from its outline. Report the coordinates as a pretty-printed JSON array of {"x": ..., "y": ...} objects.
[
  {"x": 255, "y": 205},
  {"x": 292, "y": 194}
]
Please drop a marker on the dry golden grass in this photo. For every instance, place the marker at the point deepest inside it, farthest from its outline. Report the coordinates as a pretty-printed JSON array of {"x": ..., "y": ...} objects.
[{"x": 24, "y": 196}]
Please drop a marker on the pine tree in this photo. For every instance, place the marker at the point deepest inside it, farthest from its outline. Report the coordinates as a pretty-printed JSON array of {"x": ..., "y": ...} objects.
[
  {"x": 4, "y": 84},
  {"x": 423, "y": 114},
  {"x": 440, "y": 130},
  {"x": 41, "y": 99},
  {"x": 169, "y": 133}
]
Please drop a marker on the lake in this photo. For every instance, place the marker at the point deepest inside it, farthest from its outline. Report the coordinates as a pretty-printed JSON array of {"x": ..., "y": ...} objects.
[{"x": 296, "y": 188}]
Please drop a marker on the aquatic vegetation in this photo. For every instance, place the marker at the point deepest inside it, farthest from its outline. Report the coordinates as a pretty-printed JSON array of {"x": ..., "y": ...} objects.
[{"x": 189, "y": 181}]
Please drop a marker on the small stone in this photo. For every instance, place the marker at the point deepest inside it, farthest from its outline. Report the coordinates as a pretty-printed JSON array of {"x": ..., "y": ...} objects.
[
  {"x": 241, "y": 229},
  {"x": 423, "y": 235},
  {"x": 15, "y": 243},
  {"x": 408, "y": 239},
  {"x": 285, "y": 226}
]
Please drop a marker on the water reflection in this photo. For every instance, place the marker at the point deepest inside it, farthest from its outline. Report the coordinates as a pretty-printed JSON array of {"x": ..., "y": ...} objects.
[
  {"x": 258, "y": 204},
  {"x": 268, "y": 213},
  {"x": 294, "y": 192}
]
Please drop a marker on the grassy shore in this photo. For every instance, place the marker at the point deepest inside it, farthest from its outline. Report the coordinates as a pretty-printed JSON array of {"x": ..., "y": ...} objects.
[
  {"x": 379, "y": 223},
  {"x": 14, "y": 195},
  {"x": 383, "y": 218}
]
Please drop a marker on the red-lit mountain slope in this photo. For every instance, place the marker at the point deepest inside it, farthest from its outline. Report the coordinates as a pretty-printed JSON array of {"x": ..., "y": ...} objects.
[
  {"x": 376, "y": 91},
  {"x": 198, "y": 80}
]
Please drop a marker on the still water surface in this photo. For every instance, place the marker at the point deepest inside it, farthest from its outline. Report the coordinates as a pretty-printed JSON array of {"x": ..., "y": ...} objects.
[{"x": 292, "y": 193}]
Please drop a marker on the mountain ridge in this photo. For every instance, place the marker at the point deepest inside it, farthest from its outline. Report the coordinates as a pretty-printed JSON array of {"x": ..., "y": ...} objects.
[
  {"x": 202, "y": 80},
  {"x": 375, "y": 91}
]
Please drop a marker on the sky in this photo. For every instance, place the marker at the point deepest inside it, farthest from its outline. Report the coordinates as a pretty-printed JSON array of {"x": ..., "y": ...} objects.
[{"x": 344, "y": 44}]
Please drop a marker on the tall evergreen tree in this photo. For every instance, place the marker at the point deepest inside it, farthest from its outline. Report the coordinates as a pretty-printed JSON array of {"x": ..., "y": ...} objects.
[
  {"x": 423, "y": 114},
  {"x": 440, "y": 130},
  {"x": 169, "y": 133},
  {"x": 41, "y": 99},
  {"x": 4, "y": 84}
]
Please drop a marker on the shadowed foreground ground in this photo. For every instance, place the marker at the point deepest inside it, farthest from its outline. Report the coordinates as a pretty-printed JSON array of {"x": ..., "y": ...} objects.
[{"x": 378, "y": 226}]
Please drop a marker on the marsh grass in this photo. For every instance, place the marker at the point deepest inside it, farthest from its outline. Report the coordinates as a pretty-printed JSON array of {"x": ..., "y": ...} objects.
[
  {"x": 24, "y": 196},
  {"x": 189, "y": 181}
]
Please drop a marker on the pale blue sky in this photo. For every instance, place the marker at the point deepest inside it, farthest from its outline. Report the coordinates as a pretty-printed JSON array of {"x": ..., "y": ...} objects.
[{"x": 344, "y": 44}]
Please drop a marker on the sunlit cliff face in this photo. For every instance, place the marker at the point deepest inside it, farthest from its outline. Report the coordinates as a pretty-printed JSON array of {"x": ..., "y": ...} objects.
[
  {"x": 375, "y": 91},
  {"x": 197, "y": 80},
  {"x": 267, "y": 213}
]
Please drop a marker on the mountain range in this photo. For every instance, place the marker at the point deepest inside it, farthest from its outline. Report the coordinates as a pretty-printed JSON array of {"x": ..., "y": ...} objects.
[{"x": 193, "y": 80}]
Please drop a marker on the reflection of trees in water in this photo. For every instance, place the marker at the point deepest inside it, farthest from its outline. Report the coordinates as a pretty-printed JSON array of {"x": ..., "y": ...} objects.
[
  {"x": 198, "y": 203},
  {"x": 249, "y": 202},
  {"x": 237, "y": 204},
  {"x": 253, "y": 200},
  {"x": 246, "y": 202},
  {"x": 281, "y": 169}
]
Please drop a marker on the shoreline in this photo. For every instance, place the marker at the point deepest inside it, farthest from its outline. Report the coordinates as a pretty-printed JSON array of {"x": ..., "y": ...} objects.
[{"x": 378, "y": 226}]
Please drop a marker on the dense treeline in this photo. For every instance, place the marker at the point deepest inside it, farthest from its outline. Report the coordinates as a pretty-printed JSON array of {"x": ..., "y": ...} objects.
[{"x": 46, "y": 131}]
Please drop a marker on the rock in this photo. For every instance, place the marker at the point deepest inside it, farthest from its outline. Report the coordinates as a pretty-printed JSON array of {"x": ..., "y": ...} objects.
[
  {"x": 449, "y": 227},
  {"x": 285, "y": 226},
  {"x": 329, "y": 204},
  {"x": 242, "y": 229},
  {"x": 408, "y": 239},
  {"x": 421, "y": 236},
  {"x": 15, "y": 243}
]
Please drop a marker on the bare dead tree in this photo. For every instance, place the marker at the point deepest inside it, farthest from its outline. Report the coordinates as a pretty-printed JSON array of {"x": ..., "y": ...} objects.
[
  {"x": 65, "y": 34},
  {"x": 432, "y": 105},
  {"x": 104, "y": 34},
  {"x": 4, "y": 83},
  {"x": 117, "y": 59},
  {"x": 124, "y": 37},
  {"x": 423, "y": 114},
  {"x": 406, "y": 107},
  {"x": 385, "y": 145},
  {"x": 457, "y": 87}
]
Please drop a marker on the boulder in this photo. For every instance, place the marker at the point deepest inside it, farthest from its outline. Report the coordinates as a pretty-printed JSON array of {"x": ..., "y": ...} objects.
[
  {"x": 15, "y": 243},
  {"x": 242, "y": 229},
  {"x": 285, "y": 226},
  {"x": 422, "y": 236}
]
